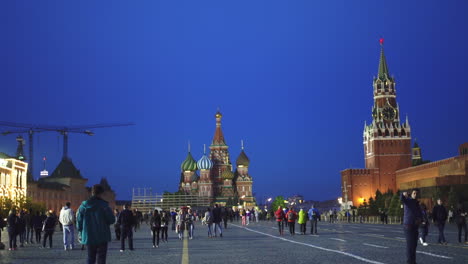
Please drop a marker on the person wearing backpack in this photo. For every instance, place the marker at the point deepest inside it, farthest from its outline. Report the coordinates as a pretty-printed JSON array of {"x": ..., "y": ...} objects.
[
  {"x": 279, "y": 215},
  {"x": 302, "y": 221},
  {"x": 314, "y": 216},
  {"x": 155, "y": 224},
  {"x": 291, "y": 216}
]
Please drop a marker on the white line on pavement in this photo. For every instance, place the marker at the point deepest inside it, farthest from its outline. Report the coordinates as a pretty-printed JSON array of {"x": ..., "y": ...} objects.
[
  {"x": 313, "y": 246},
  {"x": 372, "y": 245},
  {"x": 377, "y": 235},
  {"x": 338, "y": 239},
  {"x": 399, "y": 237},
  {"x": 434, "y": 255}
]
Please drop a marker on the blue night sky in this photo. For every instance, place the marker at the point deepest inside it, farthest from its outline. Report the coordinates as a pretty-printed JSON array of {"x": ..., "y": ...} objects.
[{"x": 292, "y": 78}]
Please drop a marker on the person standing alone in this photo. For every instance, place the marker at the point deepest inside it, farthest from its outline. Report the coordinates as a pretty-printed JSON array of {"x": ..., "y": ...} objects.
[
  {"x": 67, "y": 219},
  {"x": 126, "y": 222},
  {"x": 439, "y": 214},
  {"x": 412, "y": 218},
  {"x": 93, "y": 222}
]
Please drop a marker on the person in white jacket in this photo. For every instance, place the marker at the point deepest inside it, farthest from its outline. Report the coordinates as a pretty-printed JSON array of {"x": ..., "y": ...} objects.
[{"x": 67, "y": 219}]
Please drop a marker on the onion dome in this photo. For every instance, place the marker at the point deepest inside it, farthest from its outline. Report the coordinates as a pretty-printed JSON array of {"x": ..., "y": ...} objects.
[
  {"x": 242, "y": 160},
  {"x": 227, "y": 175},
  {"x": 189, "y": 164},
  {"x": 205, "y": 163}
]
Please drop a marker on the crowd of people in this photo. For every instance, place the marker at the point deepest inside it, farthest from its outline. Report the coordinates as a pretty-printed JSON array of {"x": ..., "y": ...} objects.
[{"x": 94, "y": 219}]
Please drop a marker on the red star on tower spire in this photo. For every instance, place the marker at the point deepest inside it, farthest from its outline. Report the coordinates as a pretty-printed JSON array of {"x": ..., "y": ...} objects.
[{"x": 381, "y": 40}]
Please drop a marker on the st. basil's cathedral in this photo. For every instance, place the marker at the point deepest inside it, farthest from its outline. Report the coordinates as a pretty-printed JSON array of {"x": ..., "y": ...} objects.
[{"x": 213, "y": 176}]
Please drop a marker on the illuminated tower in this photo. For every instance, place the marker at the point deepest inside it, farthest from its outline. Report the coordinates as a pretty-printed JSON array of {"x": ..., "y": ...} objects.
[
  {"x": 243, "y": 179},
  {"x": 387, "y": 140},
  {"x": 219, "y": 154}
]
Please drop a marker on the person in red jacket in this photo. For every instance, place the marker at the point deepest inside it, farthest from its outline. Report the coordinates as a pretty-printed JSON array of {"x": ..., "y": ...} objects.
[
  {"x": 291, "y": 217},
  {"x": 279, "y": 214}
]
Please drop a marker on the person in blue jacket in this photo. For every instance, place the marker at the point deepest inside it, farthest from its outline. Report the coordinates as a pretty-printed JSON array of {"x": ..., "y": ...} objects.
[
  {"x": 314, "y": 216},
  {"x": 412, "y": 219},
  {"x": 93, "y": 222}
]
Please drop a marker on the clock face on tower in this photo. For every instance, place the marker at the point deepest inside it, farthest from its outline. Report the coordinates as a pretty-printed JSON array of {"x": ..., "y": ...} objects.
[{"x": 388, "y": 113}]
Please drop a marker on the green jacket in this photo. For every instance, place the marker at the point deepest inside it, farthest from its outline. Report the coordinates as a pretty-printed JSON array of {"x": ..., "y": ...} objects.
[
  {"x": 93, "y": 221},
  {"x": 302, "y": 217}
]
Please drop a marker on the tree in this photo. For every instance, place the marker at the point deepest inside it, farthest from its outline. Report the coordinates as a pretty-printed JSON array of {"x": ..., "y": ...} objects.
[
  {"x": 279, "y": 201},
  {"x": 452, "y": 199},
  {"x": 395, "y": 205}
]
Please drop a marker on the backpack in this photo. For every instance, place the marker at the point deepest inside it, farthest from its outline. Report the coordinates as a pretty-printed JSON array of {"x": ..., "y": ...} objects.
[{"x": 291, "y": 216}]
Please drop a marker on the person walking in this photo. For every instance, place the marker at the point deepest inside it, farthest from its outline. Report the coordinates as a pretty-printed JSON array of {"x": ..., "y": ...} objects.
[
  {"x": 49, "y": 228},
  {"x": 37, "y": 226},
  {"x": 302, "y": 221},
  {"x": 279, "y": 215},
  {"x": 29, "y": 229},
  {"x": 12, "y": 223},
  {"x": 180, "y": 222},
  {"x": 460, "y": 220},
  {"x": 217, "y": 220},
  {"x": 189, "y": 219},
  {"x": 173, "y": 218},
  {"x": 164, "y": 226},
  {"x": 412, "y": 218},
  {"x": 117, "y": 225},
  {"x": 155, "y": 224},
  {"x": 21, "y": 227},
  {"x": 93, "y": 222},
  {"x": 67, "y": 219},
  {"x": 313, "y": 217},
  {"x": 243, "y": 215},
  {"x": 424, "y": 227},
  {"x": 225, "y": 215},
  {"x": 208, "y": 220},
  {"x": 127, "y": 220},
  {"x": 291, "y": 216},
  {"x": 439, "y": 215}
]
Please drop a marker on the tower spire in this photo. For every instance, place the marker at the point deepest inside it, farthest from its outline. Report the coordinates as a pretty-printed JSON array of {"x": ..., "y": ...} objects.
[
  {"x": 19, "y": 149},
  {"x": 242, "y": 144},
  {"x": 204, "y": 149},
  {"x": 218, "y": 139},
  {"x": 189, "y": 146},
  {"x": 383, "y": 68}
]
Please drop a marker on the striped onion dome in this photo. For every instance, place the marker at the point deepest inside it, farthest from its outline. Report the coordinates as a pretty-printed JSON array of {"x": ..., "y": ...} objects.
[
  {"x": 205, "y": 163},
  {"x": 227, "y": 175},
  {"x": 189, "y": 164}
]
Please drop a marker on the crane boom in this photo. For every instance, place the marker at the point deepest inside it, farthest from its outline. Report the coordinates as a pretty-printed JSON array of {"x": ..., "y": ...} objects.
[{"x": 63, "y": 130}]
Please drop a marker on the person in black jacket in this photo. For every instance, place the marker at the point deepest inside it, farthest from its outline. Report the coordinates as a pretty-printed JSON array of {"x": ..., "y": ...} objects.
[
  {"x": 12, "y": 221},
  {"x": 22, "y": 227},
  {"x": 127, "y": 222},
  {"x": 217, "y": 220},
  {"x": 37, "y": 226},
  {"x": 424, "y": 227},
  {"x": 49, "y": 228},
  {"x": 164, "y": 225},
  {"x": 439, "y": 215},
  {"x": 460, "y": 219},
  {"x": 412, "y": 218},
  {"x": 155, "y": 224}
]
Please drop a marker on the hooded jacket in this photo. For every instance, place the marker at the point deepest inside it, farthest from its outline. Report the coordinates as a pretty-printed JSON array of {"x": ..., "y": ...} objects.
[
  {"x": 279, "y": 214},
  {"x": 302, "y": 217},
  {"x": 93, "y": 221},
  {"x": 67, "y": 216}
]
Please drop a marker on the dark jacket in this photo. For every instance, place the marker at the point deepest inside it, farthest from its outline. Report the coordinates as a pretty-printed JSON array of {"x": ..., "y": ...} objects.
[
  {"x": 21, "y": 225},
  {"x": 165, "y": 220},
  {"x": 412, "y": 211},
  {"x": 216, "y": 215},
  {"x": 439, "y": 214},
  {"x": 49, "y": 223},
  {"x": 12, "y": 222},
  {"x": 93, "y": 221},
  {"x": 460, "y": 216},
  {"x": 425, "y": 219},
  {"x": 126, "y": 219},
  {"x": 155, "y": 221},
  {"x": 37, "y": 222}
]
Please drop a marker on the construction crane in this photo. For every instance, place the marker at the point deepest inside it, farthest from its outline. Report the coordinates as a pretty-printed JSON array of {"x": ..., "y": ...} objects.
[{"x": 63, "y": 130}]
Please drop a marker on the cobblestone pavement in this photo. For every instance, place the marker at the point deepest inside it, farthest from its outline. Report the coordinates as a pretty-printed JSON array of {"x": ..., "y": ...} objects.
[{"x": 260, "y": 243}]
